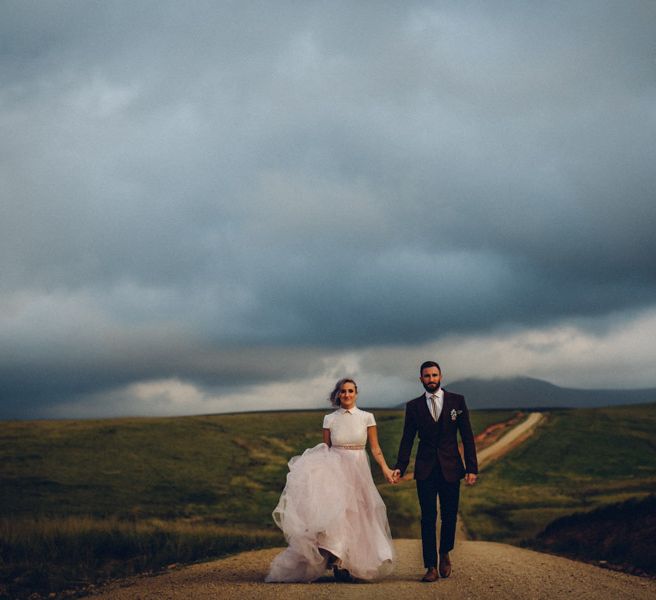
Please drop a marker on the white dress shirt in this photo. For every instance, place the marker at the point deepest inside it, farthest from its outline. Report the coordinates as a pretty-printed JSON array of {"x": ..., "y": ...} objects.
[{"x": 439, "y": 401}]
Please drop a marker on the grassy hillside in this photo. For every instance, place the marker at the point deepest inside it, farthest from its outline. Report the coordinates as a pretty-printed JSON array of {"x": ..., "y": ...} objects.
[
  {"x": 166, "y": 467},
  {"x": 82, "y": 500},
  {"x": 579, "y": 460}
]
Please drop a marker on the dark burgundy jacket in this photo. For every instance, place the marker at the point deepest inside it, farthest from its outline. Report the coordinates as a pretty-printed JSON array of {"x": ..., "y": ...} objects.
[{"x": 438, "y": 442}]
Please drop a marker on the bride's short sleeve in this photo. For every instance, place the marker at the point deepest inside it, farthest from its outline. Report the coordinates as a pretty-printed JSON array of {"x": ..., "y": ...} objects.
[
  {"x": 370, "y": 419},
  {"x": 326, "y": 421}
]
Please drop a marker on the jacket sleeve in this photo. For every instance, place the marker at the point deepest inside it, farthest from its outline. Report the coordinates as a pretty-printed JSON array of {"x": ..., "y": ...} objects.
[
  {"x": 467, "y": 437},
  {"x": 407, "y": 439}
]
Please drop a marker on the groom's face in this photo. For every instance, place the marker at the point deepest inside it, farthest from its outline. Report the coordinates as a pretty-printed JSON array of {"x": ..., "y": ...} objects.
[{"x": 430, "y": 378}]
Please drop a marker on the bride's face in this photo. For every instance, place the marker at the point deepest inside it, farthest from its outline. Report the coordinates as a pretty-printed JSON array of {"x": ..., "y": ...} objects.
[{"x": 347, "y": 395}]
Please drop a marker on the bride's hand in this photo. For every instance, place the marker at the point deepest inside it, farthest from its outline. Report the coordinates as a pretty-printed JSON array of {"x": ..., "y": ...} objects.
[{"x": 389, "y": 476}]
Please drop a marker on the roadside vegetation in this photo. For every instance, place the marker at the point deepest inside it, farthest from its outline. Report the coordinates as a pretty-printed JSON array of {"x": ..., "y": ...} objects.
[{"x": 577, "y": 462}]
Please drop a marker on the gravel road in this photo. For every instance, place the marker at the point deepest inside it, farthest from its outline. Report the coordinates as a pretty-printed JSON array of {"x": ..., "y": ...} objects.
[
  {"x": 511, "y": 439},
  {"x": 481, "y": 570}
]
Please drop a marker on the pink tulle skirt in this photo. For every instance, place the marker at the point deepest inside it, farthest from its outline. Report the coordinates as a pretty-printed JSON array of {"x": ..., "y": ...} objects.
[{"x": 330, "y": 502}]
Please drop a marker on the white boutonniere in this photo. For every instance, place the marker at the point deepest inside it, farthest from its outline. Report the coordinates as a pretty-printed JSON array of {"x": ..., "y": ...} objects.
[{"x": 455, "y": 413}]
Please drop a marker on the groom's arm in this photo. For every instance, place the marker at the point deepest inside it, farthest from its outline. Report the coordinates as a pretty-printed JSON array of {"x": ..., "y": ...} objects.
[
  {"x": 407, "y": 439},
  {"x": 467, "y": 437}
]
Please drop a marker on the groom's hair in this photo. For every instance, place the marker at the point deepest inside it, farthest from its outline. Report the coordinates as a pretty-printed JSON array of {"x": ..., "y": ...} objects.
[{"x": 427, "y": 364}]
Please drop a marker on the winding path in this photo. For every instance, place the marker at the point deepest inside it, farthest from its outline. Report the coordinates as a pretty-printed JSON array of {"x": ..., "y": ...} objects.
[{"x": 510, "y": 440}]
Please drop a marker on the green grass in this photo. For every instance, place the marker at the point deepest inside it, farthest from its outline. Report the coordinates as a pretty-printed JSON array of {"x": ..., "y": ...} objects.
[
  {"x": 84, "y": 500},
  {"x": 577, "y": 461},
  {"x": 166, "y": 467},
  {"x": 55, "y": 553}
]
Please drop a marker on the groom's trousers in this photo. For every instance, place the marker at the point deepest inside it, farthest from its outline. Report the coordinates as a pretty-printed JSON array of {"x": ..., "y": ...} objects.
[{"x": 428, "y": 491}]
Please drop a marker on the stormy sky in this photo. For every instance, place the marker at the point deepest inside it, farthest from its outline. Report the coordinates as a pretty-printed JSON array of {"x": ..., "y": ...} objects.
[{"x": 221, "y": 206}]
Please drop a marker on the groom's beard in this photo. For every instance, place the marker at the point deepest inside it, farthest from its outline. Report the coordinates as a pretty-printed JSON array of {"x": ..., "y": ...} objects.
[{"x": 431, "y": 388}]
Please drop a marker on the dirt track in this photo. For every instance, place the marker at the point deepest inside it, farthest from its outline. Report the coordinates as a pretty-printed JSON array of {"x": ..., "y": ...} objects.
[
  {"x": 481, "y": 570},
  {"x": 511, "y": 439}
]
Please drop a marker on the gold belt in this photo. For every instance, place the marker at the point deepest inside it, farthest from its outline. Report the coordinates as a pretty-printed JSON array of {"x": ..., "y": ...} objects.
[{"x": 350, "y": 446}]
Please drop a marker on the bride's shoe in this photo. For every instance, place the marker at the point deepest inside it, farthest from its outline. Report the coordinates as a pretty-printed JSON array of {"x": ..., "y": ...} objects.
[{"x": 342, "y": 575}]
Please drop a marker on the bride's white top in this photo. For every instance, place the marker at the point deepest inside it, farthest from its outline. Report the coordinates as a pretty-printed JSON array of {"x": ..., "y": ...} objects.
[{"x": 348, "y": 427}]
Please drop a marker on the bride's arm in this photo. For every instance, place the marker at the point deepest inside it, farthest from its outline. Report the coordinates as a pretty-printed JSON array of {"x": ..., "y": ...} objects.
[
  {"x": 377, "y": 453},
  {"x": 326, "y": 437}
]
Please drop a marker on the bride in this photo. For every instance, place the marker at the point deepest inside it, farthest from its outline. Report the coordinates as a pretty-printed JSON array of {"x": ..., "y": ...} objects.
[{"x": 330, "y": 510}]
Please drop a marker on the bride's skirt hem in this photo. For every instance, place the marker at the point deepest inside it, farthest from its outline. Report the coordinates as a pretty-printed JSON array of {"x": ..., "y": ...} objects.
[{"x": 330, "y": 502}]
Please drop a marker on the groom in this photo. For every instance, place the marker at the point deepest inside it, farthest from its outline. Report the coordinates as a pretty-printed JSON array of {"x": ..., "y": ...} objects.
[{"x": 437, "y": 416}]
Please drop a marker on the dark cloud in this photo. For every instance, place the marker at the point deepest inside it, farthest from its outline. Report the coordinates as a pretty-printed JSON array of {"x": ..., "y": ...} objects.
[{"x": 187, "y": 188}]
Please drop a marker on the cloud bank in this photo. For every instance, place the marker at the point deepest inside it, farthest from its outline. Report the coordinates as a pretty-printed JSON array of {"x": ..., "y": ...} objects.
[{"x": 202, "y": 207}]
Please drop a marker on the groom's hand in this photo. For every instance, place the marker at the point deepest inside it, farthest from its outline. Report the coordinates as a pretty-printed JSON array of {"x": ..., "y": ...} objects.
[
  {"x": 396, "y": 475},
  {"x": 470, "y": 478}
]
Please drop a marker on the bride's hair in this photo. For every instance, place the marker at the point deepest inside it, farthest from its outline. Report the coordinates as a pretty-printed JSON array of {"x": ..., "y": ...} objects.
[{"x": 334, "y": 395}]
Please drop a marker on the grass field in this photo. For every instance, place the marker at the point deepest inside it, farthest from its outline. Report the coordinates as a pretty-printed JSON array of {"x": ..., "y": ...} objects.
[
  {"x": 166, "y": 467},
  {"x": 579, "y": 460},
  {"x": 86, "y": 500},
  {"x": 82, "y": 501}
]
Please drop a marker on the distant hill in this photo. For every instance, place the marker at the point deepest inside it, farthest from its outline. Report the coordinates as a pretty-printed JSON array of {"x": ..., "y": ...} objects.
[{"x": 526, "y": 392}]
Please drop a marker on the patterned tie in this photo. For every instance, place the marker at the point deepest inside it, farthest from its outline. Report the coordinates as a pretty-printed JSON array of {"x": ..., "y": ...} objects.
[{"x": 434, "y": 405}]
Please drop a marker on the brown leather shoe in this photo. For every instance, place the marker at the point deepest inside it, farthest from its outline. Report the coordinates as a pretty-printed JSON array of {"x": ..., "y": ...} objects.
[
  {"x": 445, "y": 565},
  {"x": 431, "y": 575}
]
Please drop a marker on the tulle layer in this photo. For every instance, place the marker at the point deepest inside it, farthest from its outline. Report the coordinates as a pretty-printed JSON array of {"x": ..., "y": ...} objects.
[{"x": 330, "y": 502}]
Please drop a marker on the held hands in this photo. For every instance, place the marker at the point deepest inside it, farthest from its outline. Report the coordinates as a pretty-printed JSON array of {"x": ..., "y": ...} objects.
[{"x": 392, "y": 476}]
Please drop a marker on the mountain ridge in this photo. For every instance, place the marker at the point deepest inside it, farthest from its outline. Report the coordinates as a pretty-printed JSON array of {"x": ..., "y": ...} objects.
[{"x": 529, "y": 392}]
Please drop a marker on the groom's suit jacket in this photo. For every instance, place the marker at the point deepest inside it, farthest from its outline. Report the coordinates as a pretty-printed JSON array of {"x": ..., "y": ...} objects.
[{"x": 438, "y": 441}]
